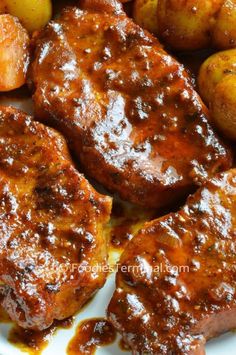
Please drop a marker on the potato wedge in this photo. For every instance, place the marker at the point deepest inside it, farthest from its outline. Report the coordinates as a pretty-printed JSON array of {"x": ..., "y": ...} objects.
[
  {"x": 224, "y": 34},
  {"x": 145, "y": 14},
  {"x": 33, "y": 14},
  {"x": 187, "y": 24},
  {"x": 213, "y": 70},
  {"x": 14, "y": 53},
  {"x": 223, "y": 106}
]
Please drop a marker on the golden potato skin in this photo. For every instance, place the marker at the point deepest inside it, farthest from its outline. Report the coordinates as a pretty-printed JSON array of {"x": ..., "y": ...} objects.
[
  {"x": 187, "y": 24},
  {"x": 217, "y": 86},
  {"x": 224, "y": 34},
  {"x": 145, "y": 14},
  {"x": 33, "y": 14},
  {"x": 14, "y": 53},
  {"x": 213, "y": 70},
  {"x": 223, "y": 106}
]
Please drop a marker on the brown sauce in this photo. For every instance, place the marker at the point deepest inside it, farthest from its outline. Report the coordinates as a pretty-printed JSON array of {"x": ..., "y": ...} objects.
[
  {"x": 126, "y": 220},
  {"x": 90, "y": 335},
  {"x": 124, "y": 346},
  {"x": 121, "y": 234},
  {"x": 34, "y": 342}
]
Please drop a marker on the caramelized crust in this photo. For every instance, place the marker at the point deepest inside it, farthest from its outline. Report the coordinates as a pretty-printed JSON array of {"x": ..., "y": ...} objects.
[
  {"x": 127, "y": 108},
  {"x": 176, "y": 284},
  {"x": 51, "y": 223}
]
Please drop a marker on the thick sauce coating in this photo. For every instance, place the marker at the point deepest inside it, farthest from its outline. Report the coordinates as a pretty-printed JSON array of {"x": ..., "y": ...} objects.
[
  {"x": 176, "y": 286},
  {"x": 90, "y": 335},
  {"x": 127, "y": 108},
  {"x": 33, "y": 342},
  {"x": 126, "y": 220},
  {"x": 51, "y": 223}
]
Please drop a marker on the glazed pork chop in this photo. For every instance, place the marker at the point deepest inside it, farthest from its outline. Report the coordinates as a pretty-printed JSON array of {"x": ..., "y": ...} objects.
[
  {"x": 176, "y": 284},
  {"x": 52, "y": 247},
  {"x": 127, "y": 108}
]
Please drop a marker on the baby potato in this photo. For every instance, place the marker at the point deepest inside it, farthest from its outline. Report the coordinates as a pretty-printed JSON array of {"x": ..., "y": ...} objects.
[
  {"x": 213, "y": 70},
  {"x": 224, "y": 34},
  {"x": 187, "y": 24},
  {"x": 145, "y": 14},
  {"x": 223, "y": 106},
  {"x": 14, "y": 53},
  {"x": 33, "y": 14}
]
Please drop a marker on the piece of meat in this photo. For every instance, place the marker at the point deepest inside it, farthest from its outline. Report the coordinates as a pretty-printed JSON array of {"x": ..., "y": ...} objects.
[
  {"x": 52, "y": 247},
  {"x": 176, "y": 284},
  {"x": 127, "y": 108}
]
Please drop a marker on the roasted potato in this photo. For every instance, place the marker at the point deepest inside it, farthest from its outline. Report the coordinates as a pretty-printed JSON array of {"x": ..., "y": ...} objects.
[
  {"x": 33, "y": 14},
  {"x": 187, "y": 24},
  {"x": 217, "y": 86},
  {"x": 14, "y": 53},
  {"x": 223, "y": 106},
  {"x": 145, "y": 14},
  {"x": 224, "y": 34},
  {"x": 213, "y": 70}
]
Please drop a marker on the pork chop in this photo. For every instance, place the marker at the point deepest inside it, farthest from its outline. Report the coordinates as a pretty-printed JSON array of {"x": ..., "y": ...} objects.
[
  {"x": 176, "y": 284},
  {"x": 127, "y": 108},
  {"x": 52, "y": 247}
]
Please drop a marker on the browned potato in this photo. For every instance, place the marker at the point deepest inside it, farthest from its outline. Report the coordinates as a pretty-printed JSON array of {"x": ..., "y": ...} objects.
[
  {"x": 213, "y": 70},
  {"x": 187, "y": 24},
  {"x": 217, "y": 86},
  {"x": 224, "y": 35},
  {"x": 223, "y": 106},
  {"x": 145, "y": 14},
  {"x": 14, "y": 53}
]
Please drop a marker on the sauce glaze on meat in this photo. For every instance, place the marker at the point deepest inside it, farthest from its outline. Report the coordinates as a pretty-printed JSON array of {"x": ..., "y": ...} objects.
[
  {"x": 127, "y": 108},
  {"x": 52, "y": 247},
  {"x": 176, "y": 284}
]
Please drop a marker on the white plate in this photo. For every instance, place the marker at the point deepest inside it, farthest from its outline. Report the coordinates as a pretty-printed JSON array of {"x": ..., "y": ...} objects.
[{"x": 224, "y": 345}]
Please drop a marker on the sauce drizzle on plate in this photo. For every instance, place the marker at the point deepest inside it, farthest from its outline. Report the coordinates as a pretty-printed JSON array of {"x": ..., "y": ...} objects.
[
  {"x": 90, "y": 335},
  {"x": 34, "y": 342}
]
